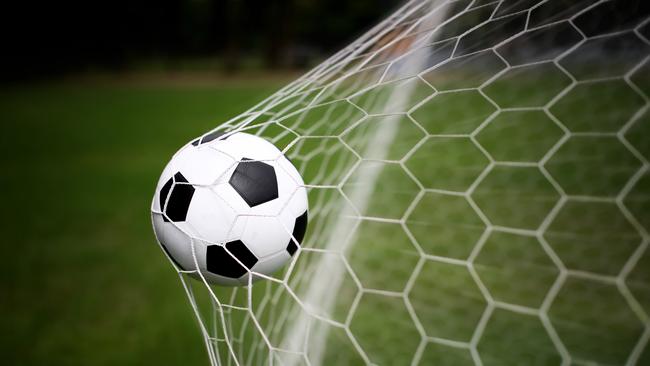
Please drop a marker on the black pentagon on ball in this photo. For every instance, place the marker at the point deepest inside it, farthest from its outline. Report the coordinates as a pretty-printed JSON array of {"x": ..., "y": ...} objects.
[
  {"x": 220, "y": 262},
  {"x": 209, "y": 137},
  {"x": 179, "y": 198},
  {"x": 255, "y": 182},
  {"x": 299, "y": 229}
]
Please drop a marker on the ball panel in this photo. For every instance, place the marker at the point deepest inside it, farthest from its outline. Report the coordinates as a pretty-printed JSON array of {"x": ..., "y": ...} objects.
[
  {"x": 174, "y": 242},
  {"x": 294, "y": 217},
  {"x": 287, "y": 188},
  {"x": 213, "y": 220},
  {"x": 242, "y": 253},
  {"x": 297, "y": 203},
  {"x": 300, "y": 227},
  {"x": 164, "y": 192},
  {"x": 201, "y": 258},
  {"x": 179, "y": 200},
  {"x": 255, "y": 182},
  {"x": 203, "y": 165},
  {"x": 286, "y": 165},
  {"x": 292, "y": 248},
  {"x": 270, "y": 265},
  {"x": 221, "y": 260},
  {"x": 265, "y": 235},
  {"x": 179, "y": 245},
  {"x": 228, "y": 194}
]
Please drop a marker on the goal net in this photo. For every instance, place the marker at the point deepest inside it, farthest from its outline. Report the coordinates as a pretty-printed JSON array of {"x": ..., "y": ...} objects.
[{"x": 479, "y": 193}]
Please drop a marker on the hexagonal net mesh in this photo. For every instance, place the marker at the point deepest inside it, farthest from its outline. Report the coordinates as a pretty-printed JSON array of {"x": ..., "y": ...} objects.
[{"x": 479, "y": 193}]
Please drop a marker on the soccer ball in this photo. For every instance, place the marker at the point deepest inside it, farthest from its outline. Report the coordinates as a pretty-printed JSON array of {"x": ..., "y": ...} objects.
[{"x": 234, "y": 203}]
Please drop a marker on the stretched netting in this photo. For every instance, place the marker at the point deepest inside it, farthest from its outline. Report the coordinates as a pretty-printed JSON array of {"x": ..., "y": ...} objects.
[{"x": 479, "y": 193}]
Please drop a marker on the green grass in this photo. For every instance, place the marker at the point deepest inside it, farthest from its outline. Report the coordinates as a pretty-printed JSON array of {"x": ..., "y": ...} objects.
[{"x": 84, "y": 283}]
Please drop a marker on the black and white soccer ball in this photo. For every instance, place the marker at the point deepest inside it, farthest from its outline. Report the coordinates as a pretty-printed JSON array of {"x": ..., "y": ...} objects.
[{"x": 234, "y": 203}]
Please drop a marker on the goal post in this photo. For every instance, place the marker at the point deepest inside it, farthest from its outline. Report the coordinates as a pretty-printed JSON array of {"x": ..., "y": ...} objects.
[{"x": 479, "y": 193}]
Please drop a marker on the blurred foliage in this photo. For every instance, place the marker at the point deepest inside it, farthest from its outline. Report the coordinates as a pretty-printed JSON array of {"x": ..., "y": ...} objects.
[{"x": 51, "y": 38}]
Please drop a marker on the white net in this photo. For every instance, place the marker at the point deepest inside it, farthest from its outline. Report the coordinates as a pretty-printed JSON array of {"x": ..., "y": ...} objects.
[{"x": 479, "y": 193}]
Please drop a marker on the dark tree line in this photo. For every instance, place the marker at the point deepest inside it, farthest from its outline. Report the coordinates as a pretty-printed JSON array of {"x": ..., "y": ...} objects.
[{"x": 54, "y": 37}]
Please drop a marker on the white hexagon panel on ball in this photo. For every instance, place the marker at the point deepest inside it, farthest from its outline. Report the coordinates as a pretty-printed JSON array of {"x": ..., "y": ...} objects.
[{"x": 228, "y": 206}]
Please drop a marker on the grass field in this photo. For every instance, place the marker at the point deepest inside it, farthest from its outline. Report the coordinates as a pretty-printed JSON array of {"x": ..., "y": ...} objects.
[{"x": 84, "y": 282}]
